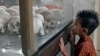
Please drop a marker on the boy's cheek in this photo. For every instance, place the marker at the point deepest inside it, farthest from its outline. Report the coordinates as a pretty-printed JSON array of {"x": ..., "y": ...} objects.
[{"x": 75, "y": 31}]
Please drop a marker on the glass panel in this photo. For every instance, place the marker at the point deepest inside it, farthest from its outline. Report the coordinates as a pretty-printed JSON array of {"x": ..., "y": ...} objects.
[
  {"x": 49, "y": 18},
  {"x": 10, "y": 38},
  {"x": 82, "y": 5}
]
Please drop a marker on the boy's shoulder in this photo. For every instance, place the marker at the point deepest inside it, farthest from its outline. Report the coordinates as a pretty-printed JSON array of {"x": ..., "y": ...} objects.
[{"x": 87, "y": 43}]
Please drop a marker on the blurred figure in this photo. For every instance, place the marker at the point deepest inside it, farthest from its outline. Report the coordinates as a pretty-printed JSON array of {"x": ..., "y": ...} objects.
[{"x": 85, "y": 24}]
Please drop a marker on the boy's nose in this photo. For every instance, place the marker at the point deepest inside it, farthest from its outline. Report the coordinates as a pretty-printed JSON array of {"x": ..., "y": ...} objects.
[{"x": 74, "y": 26}]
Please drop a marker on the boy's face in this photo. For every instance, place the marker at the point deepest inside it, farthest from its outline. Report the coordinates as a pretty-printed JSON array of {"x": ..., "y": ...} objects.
[{"x": 77, "y": 28}]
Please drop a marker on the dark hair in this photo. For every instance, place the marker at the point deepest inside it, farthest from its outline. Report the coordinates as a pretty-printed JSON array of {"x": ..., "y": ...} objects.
[{"x": 89, "y": 19}]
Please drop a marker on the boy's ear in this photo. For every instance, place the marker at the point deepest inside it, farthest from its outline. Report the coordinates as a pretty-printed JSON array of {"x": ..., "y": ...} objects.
[{"x": 85, "y": 30}]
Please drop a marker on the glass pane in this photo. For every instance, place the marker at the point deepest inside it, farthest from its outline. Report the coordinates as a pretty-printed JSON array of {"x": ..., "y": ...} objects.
[
  {"x": 49, "y": 18},
  {"x": 10, "y": 38}
]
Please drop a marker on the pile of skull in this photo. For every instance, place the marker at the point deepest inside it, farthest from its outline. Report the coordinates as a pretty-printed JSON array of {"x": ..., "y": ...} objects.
[{"x": 42, "y": 18}]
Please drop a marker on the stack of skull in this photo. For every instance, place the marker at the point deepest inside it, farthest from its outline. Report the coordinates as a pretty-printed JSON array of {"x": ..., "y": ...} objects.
[{"x": 42, "y": 18}]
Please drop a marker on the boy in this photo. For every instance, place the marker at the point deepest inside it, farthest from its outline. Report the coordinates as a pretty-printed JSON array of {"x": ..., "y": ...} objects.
[{"x": 85, "y": 24}]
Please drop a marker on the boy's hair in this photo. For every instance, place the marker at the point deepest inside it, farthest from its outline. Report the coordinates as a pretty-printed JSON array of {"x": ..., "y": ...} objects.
[{"x": 89, "y": 19}]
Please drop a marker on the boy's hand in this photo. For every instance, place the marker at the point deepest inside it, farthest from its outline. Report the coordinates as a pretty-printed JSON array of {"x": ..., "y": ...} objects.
[
  {"x": 62, "y": 47},
  {"x": 71, "y": 36},
  {"x": 71, "y": 39}
]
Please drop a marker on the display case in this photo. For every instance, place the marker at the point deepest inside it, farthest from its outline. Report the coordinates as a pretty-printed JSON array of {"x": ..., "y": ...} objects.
[
  {"x": 10, "y": 36},
  {"x": 57, "y": 20},
  {"x": 32, "y": 27}
]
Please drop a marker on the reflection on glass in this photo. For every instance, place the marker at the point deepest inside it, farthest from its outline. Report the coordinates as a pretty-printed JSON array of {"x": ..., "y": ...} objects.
[
  {"x": 49, "y": 18},
  {"x": 10, "y": 38},
  {"x": 47, "y": 14}
]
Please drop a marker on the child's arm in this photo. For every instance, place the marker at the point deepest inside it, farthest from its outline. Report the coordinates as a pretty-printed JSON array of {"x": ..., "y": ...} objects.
[{"x": 62, "y": 47}]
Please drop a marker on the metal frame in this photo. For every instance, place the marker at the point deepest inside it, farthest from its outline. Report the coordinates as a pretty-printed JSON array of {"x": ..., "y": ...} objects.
[{"x": 26, "y": 26}]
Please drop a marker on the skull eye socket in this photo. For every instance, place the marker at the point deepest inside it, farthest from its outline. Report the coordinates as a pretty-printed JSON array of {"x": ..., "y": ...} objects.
[
  {"x": 0, "y": 30},
  {"x": 17, "y": 24},
  {"x": 52, "y": 23},
  {"x": 48, "y": 20},
  {"x": 12, "y": 25}
]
